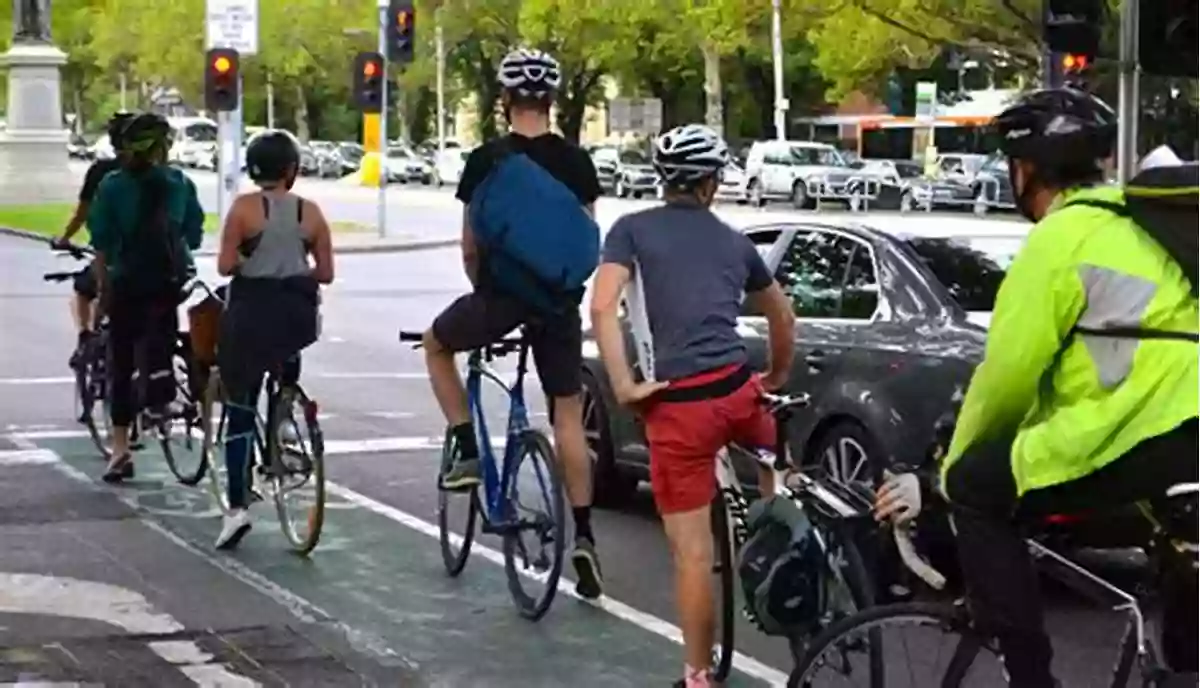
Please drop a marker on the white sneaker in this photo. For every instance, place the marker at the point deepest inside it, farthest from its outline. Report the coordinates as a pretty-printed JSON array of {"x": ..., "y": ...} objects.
[{"x": 234, "y": 527}]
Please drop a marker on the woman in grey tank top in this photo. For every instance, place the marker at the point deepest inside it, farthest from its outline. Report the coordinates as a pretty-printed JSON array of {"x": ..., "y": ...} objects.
[{"x": 276, "y": 246}]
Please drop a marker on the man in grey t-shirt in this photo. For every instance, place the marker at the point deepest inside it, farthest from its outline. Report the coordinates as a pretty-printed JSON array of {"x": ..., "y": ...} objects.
[{"x": 693, "y": 270}]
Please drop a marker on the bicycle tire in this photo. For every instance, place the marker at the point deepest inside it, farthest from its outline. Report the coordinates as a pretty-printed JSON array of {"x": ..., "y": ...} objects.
[
  {"x": 856, "y": 578},
  {"x": 454, "y": 561},
  {"x": 838, "y": 634},
  {"x": 531, "y": 444},
  {"x": 186, "y": 420},
  {"x": 315, "y": 517},
  {"x": 723, "y": 566},
  {"x": 85, "y": 396},
  {"x": 210, "y": 445}
]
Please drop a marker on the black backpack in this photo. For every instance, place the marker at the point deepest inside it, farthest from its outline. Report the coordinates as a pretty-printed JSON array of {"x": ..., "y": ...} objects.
[
  {"x": 153, "y": 257},
  {"x": 1163, "y": 202}
]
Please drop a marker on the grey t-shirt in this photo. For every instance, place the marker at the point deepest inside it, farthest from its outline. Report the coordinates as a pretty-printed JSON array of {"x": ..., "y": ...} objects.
[{"x": 693, "y": 269}]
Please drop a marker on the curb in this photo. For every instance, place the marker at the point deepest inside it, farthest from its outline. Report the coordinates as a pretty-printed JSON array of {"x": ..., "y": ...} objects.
[{"x": 395, "y": 247}]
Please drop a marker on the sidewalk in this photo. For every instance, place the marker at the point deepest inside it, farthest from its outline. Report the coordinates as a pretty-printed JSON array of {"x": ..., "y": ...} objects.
[{"x": 91, "y": 594}]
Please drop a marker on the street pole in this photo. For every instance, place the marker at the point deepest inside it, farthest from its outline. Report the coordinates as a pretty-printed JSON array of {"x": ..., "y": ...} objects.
[
  {"x": 777, "y": 59},
  {"x": 1127, "y": 101},
  {"x": 270, "y": 102},
  {"x": 440, "y": 45},
  {"x": 124, "y": 88},
  {"x": 383, "y": 121}
]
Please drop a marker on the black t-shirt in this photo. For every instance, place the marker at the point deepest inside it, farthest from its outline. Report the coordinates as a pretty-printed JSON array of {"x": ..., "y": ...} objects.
[
  {"x": 565, "y": 161},
  {"x": 95, "y": 175}
]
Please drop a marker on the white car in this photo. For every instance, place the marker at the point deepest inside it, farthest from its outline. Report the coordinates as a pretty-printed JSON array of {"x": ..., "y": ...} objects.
[
  {"x": 102, "y": 149},
  {"x": 733, "y": 184},
  {"x": 448, "y": 166},
  {"x": 796, "y": 170},
  {"x": 403, "y": 165}
]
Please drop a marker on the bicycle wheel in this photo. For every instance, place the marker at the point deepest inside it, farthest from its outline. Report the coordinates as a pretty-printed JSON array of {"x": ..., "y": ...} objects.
[
  {"x": 174, "y": 432},
  {"x": 90, "y": 396},
  {"x": 296, "y": 468},
  {"x": 723, "y": 567},
  {"x": 546, "y": 520},
  {"x": 922, "y": 644},
  {"x": 212, "y": 444},
  {"x": 455, "y": 548}
]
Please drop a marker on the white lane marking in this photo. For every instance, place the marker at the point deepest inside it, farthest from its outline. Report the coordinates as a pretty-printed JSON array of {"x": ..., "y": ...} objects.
[
  {"x": 27, "y": 457},
  {"x": 372, "y": 445},
  {"x": 27, "y": 593},
  {"x": 30, "y": 381},
  {"x": 648, "y": 622}
]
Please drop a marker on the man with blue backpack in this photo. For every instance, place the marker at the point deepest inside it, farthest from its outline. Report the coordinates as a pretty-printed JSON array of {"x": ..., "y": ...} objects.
[{"x": 529, "y": 246}]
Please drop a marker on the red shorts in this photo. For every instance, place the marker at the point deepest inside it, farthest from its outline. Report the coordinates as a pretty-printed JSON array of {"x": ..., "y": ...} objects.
[{"x": 685, "y": 436}]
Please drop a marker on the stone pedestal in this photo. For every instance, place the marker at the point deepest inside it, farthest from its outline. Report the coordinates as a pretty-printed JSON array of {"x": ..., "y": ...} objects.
[{"x": 33, "y": 148}]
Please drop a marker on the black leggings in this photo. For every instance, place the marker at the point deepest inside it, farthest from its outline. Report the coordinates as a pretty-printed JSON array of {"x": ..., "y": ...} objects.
[
  {"x": 1002, "y": 584},
  {"x": 142, "y": 335}
]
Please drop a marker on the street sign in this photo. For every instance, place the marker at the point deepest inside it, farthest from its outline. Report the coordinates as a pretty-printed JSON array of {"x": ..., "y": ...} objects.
[
  {"x": 635, "y": 115},
  {"x": 926, "y": 110},
  {"x": 232, "y": 24}
]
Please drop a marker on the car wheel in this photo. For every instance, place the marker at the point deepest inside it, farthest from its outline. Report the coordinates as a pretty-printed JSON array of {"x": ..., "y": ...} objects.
[
  {"x": 799, "y": 195},
  {"x": 847, "y": 453},
  {"x": 609, "y": 486},
  {"x": 755, "y": 194}
]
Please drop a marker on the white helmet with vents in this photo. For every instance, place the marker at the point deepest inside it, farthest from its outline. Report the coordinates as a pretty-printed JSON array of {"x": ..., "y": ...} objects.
[
  {"x": 529, "y": 72},
  {"x": 689, "y": 153}
]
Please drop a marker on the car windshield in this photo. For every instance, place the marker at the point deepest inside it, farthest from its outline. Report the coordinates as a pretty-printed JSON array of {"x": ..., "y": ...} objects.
[
  {"x": 812, "y": 155},
  {"x": 395, "y": 152},
  {"x": 322, "y": 145},
  {"x": 351, "y": 151},
  {"x": 634, "y": 157},
  {"x": 971, "y": 268},
  {"x": 203, "y": 132},
  {"x": 908, "y": 170}
]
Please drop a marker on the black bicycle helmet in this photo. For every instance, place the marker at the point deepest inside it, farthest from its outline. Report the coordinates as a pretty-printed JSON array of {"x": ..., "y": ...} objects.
[
  {"x": 144, "y": 132},
  {"x": 116, "y": 128},
  {"x": 270, "y": 154},
  {"x": 1058, "y": 127}
]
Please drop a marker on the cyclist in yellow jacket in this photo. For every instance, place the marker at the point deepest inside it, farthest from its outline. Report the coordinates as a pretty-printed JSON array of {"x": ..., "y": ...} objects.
[{"x": 1061, "y": 417}]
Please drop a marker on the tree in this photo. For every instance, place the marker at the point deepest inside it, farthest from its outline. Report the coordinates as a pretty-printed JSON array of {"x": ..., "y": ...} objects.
[
  {"x": 587, "y": 37},
  {"x": 481, "y": 32}
]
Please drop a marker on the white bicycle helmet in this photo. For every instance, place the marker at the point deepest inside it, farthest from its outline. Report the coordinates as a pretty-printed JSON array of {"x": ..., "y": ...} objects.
[
  {"x": 689, "y": 153},
  {"x": 529, "y": 72}
]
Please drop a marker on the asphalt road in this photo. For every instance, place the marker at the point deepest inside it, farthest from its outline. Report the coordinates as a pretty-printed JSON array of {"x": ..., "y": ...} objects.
[{"x": 373, "y": 598}]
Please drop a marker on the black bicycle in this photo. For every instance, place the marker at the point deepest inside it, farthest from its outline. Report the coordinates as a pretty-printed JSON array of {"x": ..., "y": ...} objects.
[
  {"x": 936, "y": 643},
  {"x": 89, "y": 362},
  {"x": 833, "y": 509}
]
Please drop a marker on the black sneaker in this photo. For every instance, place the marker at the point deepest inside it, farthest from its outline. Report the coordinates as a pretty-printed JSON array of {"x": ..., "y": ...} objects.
[
  {"x": 463, "y": 474},
  {"x": 590, "y": 584},
  {"x": 121, "y": 468}
]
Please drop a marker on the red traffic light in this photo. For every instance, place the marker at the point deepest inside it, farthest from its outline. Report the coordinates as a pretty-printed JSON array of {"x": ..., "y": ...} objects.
[
  {"x": 1075, "y": 63},
  {"x": 403, "y": 19},
  {"x": 370, "y": 69}
]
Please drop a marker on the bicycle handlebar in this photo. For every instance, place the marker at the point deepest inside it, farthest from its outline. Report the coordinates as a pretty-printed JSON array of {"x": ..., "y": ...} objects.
[
  {"x": 498, "y": 348},
  {"x": 59, "y": 276},
  {"x": 75, "y": 251},
  {"x": 913, "y": 561}
]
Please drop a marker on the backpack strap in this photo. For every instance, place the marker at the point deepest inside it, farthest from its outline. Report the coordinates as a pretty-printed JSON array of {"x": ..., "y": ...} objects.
[
  {"x": 266, "y": 206},
  {"x": 1114, "y": 208}
]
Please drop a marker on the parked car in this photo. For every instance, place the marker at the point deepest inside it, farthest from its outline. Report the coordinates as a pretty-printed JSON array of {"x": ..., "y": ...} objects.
[
  {"x": 917, "y": 190},
  {"x": 448, "y": 166},
  {"x": 78, "y": 148},
  {"x": 992, "y": 187},
  {"x": 890, "y": 328},
  {"x": 606, "y": 160},
  {"x": 308, "y": 161},
  {"x": 635, "y": 175},
  {"x": 960, "y": 167},
  {"x": 796, "y": 170},
  {"x": 350, "y": 156},
  {"x": 733, "y": 184},
  {"x": 192, "y": 138},
  {"x": 328, "y": 161},
  {"x": 102, "y": 148},
  {"x": 404, "y": 165}
]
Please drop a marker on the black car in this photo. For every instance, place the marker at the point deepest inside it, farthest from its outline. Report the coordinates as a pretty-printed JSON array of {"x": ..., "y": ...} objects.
[
  {"x": 906, "y": 183},
  {"x": 889, "y": 329}
]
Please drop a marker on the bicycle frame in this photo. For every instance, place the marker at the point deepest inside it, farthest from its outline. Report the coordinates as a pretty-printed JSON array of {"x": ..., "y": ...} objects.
[{"x": 497, "y": 481}]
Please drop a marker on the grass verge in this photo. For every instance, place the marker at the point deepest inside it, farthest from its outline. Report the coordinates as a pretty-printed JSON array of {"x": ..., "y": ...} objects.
[{"x": 48, "y": 219}]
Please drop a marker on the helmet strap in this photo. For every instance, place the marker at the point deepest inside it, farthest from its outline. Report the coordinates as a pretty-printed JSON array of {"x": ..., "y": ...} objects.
[{"x": 1024, "y": 197}]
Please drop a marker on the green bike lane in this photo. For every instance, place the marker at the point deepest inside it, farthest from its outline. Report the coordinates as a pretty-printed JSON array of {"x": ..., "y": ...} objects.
[{"x": 378, "y": 572}]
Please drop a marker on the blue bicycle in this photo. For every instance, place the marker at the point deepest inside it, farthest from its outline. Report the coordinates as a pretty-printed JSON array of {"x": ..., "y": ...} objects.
[{"x": 502, "y": 508}]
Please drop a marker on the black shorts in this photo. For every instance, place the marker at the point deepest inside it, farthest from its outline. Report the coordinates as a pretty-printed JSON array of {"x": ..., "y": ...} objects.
[
  {"x": 85, "y": 283},
  {"x": 478, "y": 319}
]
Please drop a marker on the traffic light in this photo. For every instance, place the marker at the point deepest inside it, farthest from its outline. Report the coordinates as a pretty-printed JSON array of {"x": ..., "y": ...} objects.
[
  {"x": 1075, "y": 63},
  {"x": 1073, "y": 26},
  {"x": 401, "y": 31},
  {"x": 1167, "y": 37},
  {"x": 368, "y": 81},
  {"x": 221, "y": 80}
]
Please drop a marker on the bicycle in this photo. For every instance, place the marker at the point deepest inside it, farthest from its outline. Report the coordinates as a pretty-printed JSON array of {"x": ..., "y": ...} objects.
[
  {"x": 1136, "y": 649},
  {"x": 90, "y": 364},
  {"x": 281, "y": 468},
  {"x": 501, "y": 497},
  {"x": 832, "y": 508}
]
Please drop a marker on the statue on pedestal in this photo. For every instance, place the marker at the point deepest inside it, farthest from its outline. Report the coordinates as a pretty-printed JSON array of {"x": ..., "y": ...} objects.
[{"x": 31, "y": 21}]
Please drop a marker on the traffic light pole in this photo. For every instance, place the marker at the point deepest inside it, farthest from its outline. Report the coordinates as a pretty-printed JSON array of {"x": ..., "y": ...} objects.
[
  {"x": 383, "y": 120},
  {"x": 1127, "y": 100}
]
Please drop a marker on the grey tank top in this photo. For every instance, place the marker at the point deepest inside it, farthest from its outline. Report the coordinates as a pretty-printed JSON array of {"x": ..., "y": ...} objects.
[{"x": 278, "y": 251}]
